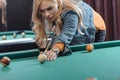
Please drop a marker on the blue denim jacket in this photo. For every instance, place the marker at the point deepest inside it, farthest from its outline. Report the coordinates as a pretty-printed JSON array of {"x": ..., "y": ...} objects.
[{"x": 70, "y": 35}]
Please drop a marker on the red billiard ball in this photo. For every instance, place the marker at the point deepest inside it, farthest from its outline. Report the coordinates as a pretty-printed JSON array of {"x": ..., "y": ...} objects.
[
  {"x": 5, "y": 61},
  {"x": 91, "y": 78},
  {"x": 89, "y": 47}
]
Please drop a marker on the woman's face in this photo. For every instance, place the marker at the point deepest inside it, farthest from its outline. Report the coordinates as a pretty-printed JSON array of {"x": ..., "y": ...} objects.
[{"x": 48, "y": 9}]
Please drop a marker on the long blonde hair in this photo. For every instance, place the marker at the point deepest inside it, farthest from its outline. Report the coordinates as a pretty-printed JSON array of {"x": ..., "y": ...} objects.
[{"x": 39, "y": 21}]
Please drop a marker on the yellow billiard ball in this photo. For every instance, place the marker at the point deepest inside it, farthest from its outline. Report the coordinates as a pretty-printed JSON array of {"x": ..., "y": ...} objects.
[
  {"x": 5, "y": 61},
  {"x": 4, "y": 37},
  {"x": 42, "y": 58},
  {"x": 23, "y": 34},
  {"x": 89, "y": 47}
]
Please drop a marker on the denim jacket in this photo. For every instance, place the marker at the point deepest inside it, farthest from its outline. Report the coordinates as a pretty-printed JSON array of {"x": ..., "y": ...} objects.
[{"x": 70, "y": 35}]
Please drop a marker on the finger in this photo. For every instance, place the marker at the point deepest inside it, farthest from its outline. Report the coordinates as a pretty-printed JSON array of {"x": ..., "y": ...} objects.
[
  {"x": 53, "y": 56},
  {"x": 47, "y": 53},
  {"x": 49, "y": 56}
]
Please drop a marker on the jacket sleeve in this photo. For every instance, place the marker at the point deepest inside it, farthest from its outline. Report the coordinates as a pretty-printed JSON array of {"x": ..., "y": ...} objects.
[{"x": 70, "y": 25}]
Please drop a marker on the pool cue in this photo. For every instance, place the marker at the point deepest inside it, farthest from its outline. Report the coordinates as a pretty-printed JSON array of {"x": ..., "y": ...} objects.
[
  {"x": 4, "y": 19},
  {"x": 49, "y": 42}
]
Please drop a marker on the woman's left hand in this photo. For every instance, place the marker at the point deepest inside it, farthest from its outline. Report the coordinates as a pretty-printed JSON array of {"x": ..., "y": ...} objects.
[{"x": 51, "y": 55}]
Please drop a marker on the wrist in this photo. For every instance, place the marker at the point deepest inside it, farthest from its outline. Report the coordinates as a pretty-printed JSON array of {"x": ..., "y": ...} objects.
[{"x": 56, "y": 50}]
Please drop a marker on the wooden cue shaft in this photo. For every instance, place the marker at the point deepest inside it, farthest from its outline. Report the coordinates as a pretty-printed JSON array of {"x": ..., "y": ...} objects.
[{"x": 49, "y": 42}]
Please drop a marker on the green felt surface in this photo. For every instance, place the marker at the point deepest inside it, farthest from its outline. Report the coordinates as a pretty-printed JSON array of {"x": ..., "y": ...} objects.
[{"x": 103, "y": 63}]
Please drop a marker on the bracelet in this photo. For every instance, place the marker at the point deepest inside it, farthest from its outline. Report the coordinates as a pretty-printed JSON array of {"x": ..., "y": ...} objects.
[{"x": 56, "y": 50}]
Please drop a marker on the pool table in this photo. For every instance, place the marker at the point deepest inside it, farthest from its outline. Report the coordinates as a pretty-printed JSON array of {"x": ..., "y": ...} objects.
[
  {"x": 18, "y": 43},
  {"x": 103, "y": 63}
]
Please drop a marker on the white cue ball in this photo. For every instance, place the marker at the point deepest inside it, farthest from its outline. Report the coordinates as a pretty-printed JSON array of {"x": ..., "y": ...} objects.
[{"x": 42, "y": 58}]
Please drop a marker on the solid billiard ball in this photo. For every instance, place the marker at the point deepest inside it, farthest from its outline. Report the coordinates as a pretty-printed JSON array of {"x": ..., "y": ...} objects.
[
  {"x": 14, "y": 35},
  {"x": 4, "y": 37},
  {"x": 89, "y": 47},
  {"x": 91, "y": 78},
  {"x": 42, "y": 58},
  {"x": 5, "y": 61},
  {"x": 23, "y": 34}
]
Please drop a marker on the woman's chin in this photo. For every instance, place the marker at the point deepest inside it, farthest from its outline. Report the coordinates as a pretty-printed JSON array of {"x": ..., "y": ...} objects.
[{"x": 50, "y": 20}]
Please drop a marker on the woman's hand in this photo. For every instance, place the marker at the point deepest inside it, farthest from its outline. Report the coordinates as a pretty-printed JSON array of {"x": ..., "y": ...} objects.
[{"x": 51, "y": 55}]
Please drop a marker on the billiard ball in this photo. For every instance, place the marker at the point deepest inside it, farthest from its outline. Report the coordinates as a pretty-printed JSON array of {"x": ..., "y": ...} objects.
[
  {"x": 89, "y": 47},
  {"x": 23, "y": 34},
  {"x": 4, "y": 37},
  {"x": 14, "y": 35},
  {"x": 91, "y": 78},
  {"x": 42, "y": 58},
  {"x": 5, "y": 61}
]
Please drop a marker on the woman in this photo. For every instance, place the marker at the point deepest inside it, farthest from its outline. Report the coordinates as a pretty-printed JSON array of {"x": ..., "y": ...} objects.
[{"x": 71, "y": 24}]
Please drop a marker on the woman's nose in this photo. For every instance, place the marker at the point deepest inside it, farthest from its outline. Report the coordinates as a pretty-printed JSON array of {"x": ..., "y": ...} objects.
[{"x": 47, "y": 14}]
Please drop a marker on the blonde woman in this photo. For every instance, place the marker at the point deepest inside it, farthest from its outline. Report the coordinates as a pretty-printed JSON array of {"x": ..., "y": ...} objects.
[{"x": 71, "y": 24}]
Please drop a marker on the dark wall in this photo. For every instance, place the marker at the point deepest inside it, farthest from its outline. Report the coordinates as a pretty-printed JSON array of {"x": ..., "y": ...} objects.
[
  {"x": 0, "y": 21},
  {"x": 19, "y": 14}
]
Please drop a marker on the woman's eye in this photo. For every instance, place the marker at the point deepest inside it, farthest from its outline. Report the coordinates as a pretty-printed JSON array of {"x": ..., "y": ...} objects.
[
  {"x": 50, "y": 8},
  {"x": 41, "y": 11}
]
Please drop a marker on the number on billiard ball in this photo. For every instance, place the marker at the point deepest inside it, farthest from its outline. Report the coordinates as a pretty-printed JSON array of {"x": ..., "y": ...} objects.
[
  {"x": 4, "y": 37},
  {"x": 89, "y": 47},
  {"x": 5, "y": 61},
  {"x": 42, "y": 58},
  {"x": 23, "y": 34}
]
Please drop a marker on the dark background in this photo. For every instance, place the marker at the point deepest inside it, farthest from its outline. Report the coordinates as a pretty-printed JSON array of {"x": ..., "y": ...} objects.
[{"x": 19, "y": 15}]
